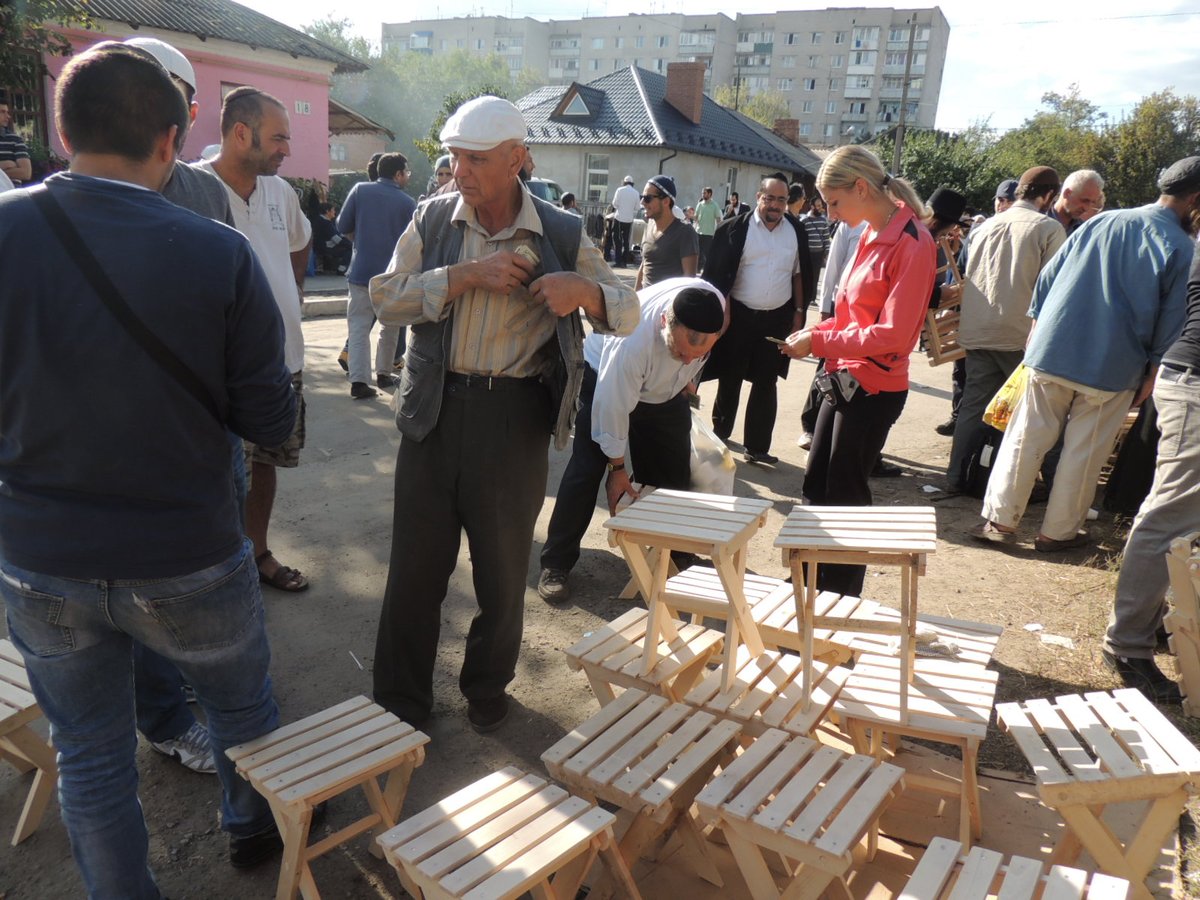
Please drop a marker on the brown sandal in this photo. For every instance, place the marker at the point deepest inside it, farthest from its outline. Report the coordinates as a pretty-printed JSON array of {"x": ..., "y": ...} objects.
[{"x": 283, "y": 578}]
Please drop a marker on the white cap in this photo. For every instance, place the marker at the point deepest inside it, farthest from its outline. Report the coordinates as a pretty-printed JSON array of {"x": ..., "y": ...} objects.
[
  {"x": 170, "y": 58},
  {"x": 484, "y": 123},
  {"x": 629, "y": 179}
]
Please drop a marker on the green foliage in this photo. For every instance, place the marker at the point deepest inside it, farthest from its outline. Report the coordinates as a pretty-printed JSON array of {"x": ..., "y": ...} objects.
[
  {"x": 431, "y": 144},
  {"x": 1161, "y": 129},
  {"x": 932, "y": 159},
  {"x": 765, "y": 107},
  {"x": 29, "y": 35},
  {"x": 333, "y": 32}
]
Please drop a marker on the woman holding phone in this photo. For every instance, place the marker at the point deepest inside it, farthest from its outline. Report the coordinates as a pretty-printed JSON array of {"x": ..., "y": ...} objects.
[{"x": 878, "y": 312}]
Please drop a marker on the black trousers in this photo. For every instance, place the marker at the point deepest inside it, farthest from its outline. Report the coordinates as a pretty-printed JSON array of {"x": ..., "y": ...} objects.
[
  {"x": 481, "y": 470},
  {"x": 623, "y": 230},
  {"x": 812, "y": 406},
  {"x": 659, "y": 454},
  {"x": 846, "y": 444},
  {"x": 749, "y": 356}
]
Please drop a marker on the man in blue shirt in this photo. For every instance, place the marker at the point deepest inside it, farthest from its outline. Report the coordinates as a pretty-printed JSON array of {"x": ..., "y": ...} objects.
[
  {"x": 374, "y": 216},
  {"x": 634, "y": 395},
  {"x": 1106, "y": 308}
]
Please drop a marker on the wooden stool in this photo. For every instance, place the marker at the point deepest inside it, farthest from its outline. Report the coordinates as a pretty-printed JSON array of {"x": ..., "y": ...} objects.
[
  {"x": 944, "y": 873},
  {"x": 711, "y": 525},
  {"x": 1183, "y": 621},
  {"x": 949, "y": 703},
  {"x": 765, "y": 693},
  {"x": 942, "y": 322},
  {"x": 651, "y": 758},
  {"x": 504, "y": 835},
  {"x": 20, "y": 745},
  {"x": 1090, "y": 751},
  {"x": 858, "y": 535},
  {"x": 612, "y": 655},
  {"x": 697, "y": 590},
  {"x": 808, "y": 803},
  {"x": 300, "y": 765}
]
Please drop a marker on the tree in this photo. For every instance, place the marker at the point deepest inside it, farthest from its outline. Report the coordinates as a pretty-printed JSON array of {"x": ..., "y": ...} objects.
[
  {"x": 335, "y": 33},
  {"x": 1161, "y": 129},
  {"x": 1066, "y": 136},
  {"x": 963, "y": 162},
  {"x": 28, "y": 30},
  {"x": 431, "y": 145},
  {"x": 764, "y": 107}
]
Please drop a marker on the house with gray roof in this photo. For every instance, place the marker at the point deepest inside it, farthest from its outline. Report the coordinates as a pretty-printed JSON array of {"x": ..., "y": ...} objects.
[
  {"x": 228, "y": 45},
  {"x": 588, "y": 137}
]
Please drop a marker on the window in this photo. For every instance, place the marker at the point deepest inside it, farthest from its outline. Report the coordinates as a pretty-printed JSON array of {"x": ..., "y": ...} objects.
[
  {"x": 836, "y": 61},
  {"x": 898, "y": 34},
  {"x": 863, "y": 58},
  {"x": 597, "y": 177},
  {"x": 787, "y": 62},
  {"x": 618, "y": 42},
  {"x": 565, "y": 43},
  {"x": 663, "y": 40},
  {"x": 815, "y": 38},
  {"x": 760, "y": 37},
  {"x": 460, "y": 43},
  {"x": 660, "y": 65},
  {"x": 478, "y": 43},
  {"x": 806, "y": 106},
  {"x": 810, "y": 84},
  {"x": 597, "y": 43},
  {"x": 806, "y": 128},
  {"x": 792, "y": 38},
  {"x": 785, "y": 84},
  {"x": 442, "y": 44},
  {"x": 757, "y": 82},
  {"x": 839, "y": 37},
  {"x": 895, "y": 58},
  {"x": 594, "y": 65},
  {"x": 813, "y": 61},
  {"x": 831, "y": 107},
  {"x": 639, "y": 42},
  {"x": 859, "y": 81},
  {"x": 337, "y": 153},
  {"x": 835, "y": 84},
  {"x": 829, "y": 130},
  {"x": 858, "y": 108},
  {"x": 915, "y": 85},
  {"x": 866, "y": 38}
]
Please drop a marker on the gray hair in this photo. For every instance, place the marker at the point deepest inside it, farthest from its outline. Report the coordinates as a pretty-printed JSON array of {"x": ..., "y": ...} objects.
[{"x": 1081, "y": 177}]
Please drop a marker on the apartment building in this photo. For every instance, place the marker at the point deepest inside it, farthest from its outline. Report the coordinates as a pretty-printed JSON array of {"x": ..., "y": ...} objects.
[{"x": 844, "y": 72}]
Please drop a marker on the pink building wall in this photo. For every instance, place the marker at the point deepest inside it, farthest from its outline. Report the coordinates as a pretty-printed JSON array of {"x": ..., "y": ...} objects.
[{"x": 303, "y": 89}]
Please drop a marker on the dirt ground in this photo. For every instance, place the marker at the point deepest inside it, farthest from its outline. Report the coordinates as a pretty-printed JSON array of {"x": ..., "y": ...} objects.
[{"x": 333, "y": 520}]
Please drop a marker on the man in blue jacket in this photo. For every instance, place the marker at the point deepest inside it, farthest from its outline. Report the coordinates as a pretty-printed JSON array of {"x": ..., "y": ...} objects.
[
  {"x": 118, "y": 519},
  {"x": 1106, "y": 308}
]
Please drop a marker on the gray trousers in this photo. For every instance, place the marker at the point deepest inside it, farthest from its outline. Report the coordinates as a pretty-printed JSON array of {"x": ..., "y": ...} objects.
[
  {"x": 987, "y": 370},
  {"x": 360, "y": 317},
  {"x": 1170, "y": 510}
]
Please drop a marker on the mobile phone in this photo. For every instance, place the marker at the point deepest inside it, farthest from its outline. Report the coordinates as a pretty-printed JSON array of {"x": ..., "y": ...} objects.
[{"x": 775, "y": 340}]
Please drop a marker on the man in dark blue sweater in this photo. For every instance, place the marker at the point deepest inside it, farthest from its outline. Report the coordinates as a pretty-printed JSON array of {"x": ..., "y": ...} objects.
[{"x": 118, "y": 521}]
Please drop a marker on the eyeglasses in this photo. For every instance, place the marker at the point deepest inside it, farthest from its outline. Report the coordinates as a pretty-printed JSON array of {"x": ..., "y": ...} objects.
[{"x": 646, "y": 198}]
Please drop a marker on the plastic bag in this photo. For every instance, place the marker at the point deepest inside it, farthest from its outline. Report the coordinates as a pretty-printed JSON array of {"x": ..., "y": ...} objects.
[
  {"x": 713, "y": 468},
  {"x": 1000, "y": 410}
]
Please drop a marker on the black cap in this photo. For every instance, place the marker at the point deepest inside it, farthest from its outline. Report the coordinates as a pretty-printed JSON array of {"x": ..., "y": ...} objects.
[
  {"x": 666, "y": 184},
  {"x": 699, "y": 310},
  {"x": 1182, "y": 177},
  {"x": 1007, "y": 190},
  {"x": 947, "y": 205}
]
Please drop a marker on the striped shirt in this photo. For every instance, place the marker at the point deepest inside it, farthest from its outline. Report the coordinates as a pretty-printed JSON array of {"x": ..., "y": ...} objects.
[{"x": 492, "y": 334}]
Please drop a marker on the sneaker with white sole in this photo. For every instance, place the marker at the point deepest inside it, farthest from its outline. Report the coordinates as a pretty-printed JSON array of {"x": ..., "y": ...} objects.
[{"x": 192, "y": 749}]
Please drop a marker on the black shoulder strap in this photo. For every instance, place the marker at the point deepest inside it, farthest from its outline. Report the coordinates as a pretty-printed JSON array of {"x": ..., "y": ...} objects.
[{"x": 87, "y": 263}]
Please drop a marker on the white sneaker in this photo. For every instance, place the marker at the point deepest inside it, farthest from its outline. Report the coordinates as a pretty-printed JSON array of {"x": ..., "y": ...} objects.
[
  {"x": 804, "y": 442},
  {"x": 191, "y": 748}
]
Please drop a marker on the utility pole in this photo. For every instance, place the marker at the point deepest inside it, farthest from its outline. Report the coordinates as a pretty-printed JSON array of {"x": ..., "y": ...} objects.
[{"x": 912, "y": 34}]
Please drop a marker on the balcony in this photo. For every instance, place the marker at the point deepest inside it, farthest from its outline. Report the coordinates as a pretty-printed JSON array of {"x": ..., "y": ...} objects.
[
  {"x": 857, "y": 93},
  {"x": 853, "y": 117}
]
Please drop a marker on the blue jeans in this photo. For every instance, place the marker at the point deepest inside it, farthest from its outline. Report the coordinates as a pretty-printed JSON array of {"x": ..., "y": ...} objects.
[{"x": 77, "y": 640}]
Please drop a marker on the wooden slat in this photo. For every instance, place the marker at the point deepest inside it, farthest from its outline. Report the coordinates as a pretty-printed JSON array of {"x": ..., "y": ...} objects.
[
  {"x": 1063, "y": 883},
  {"x": 933, "y": 870},
  {"x": 739, "y": 772},
  {"x": 1183, "y": 751},
  {"x": 795, "y": 795},
  {"x": 593, "y": 726},
  {"x": 861, "y": 810},
  {"x": 976, "y": 875},
  {"x": 1099, "y": 738},
  {"x": 1134, "y": 737},
  {"x": 454, "y": 804},
  {"x": 1022, "y": 878},
  {"x": 285, "y": 732},
  {"x": 776, "y": 773}
]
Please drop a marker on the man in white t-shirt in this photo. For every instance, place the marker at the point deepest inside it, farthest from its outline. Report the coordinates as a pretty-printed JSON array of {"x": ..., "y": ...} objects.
[
  {"x": 255, "y": 135},
  {"x": 625, "y": 203}
]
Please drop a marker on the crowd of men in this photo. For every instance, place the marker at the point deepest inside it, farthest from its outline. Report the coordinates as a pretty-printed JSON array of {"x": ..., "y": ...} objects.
[{"x": 132, "y": 569}]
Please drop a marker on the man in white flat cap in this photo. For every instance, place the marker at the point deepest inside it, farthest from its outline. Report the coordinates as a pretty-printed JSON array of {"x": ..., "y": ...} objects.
[
  {"x": 491, "y": 281},
  {"x": 625, "y": 203}
]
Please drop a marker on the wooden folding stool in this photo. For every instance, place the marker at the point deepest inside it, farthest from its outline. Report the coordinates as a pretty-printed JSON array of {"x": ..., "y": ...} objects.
[{"x": 20, "y": 745}]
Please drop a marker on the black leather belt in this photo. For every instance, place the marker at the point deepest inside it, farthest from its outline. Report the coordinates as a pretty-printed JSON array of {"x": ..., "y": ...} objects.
[
  {"x": 489, "y": 382},
  {"x": 1179, "y": 367}
]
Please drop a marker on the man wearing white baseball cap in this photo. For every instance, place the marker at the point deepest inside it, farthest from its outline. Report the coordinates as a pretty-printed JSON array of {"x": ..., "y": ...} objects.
[{"x": 491, "y": 280}]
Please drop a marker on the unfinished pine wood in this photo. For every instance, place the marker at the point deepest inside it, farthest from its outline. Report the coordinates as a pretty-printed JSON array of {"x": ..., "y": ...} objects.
[
  {"x": 501, "y": 837},
  {"x": 711, "y": 525},
  {"x": 900, "y": 536},
  {"x": 949, "y": 702},
  {"x": 945, "y": 873},
  {"x": 1183, "y": 621},
  {"x": 322, "y": 756},
  {"x": 765, "y": 692},
  {"x": 942, "y": 322},
  {"x": 20, "y": 745},
  {"x": 650, "y": 757},
  {"x": 611, "y": 656},
  {"x": 1102, "y": 748},
  {"x": 811, "y": 804}
]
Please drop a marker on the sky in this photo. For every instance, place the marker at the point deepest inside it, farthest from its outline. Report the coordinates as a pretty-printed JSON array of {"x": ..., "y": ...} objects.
[{"x": 1001, "y": 59}]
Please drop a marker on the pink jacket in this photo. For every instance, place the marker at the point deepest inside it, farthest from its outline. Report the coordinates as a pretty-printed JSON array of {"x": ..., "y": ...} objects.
[{"x": 880, "y": 305}]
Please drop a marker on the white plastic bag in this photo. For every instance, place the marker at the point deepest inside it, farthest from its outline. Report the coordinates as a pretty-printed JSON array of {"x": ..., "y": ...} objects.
[{"x": 713, "y": 468}]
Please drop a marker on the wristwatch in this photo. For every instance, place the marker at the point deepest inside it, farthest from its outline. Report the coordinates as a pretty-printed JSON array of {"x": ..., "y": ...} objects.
[{"x": 616, "y": 467}]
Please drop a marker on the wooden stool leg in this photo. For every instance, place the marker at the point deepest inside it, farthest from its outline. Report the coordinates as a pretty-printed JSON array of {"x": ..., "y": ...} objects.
[
  {"x": 569, "y": 880},
  {"x": 294, "y": 874},
  {"x": 810, "y": 883},
  {"x": 753, "y": 867},
  {"x": 615, "y": 863},
  {"x": 14, "y": 758},
  {"x": 693, "y": 850},
  {"x": 386, "y": 803},
  {"x": 970, "y": 825},
  {"x": 26, "y": 745},
  {"x": 1161, "y": 819}
]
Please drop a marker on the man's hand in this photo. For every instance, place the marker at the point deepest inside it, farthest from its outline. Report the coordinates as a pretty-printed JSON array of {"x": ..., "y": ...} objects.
[
  {"x": 616, "y": 486},
  {"x": 798, "y": 346},
  {"x": 951, "y": 294},
  {"x": 496, "y": 273},
  {"x": 1145, "y": 390},
  {"x": 565, "y": 292}
]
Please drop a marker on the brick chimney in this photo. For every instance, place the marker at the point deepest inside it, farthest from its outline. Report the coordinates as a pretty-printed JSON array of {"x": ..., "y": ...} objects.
[
  {"x": 685, "y": 89},
  {"x": 789, "y": 130}
]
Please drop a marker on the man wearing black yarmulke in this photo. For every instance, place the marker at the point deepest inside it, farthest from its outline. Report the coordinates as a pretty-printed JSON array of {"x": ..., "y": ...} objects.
[{"x": 634, "y": 395}]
